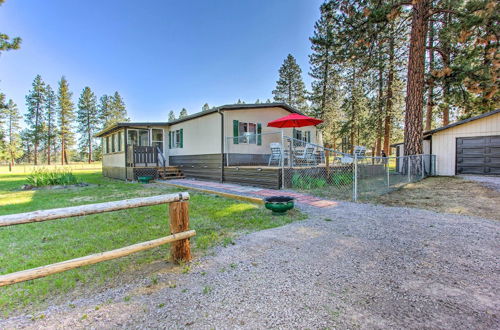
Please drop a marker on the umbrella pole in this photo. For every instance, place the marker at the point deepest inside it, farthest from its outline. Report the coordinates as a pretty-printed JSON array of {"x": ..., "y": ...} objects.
[{"x": 283, "y": 160}]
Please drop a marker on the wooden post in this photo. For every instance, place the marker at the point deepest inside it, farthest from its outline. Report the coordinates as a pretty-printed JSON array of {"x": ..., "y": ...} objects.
[
  {"x": 179, "y": 222},
  {"x": 327, "y": 162}
]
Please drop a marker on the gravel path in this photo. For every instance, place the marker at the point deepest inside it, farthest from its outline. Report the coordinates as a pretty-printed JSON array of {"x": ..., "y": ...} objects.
[
  {"x": 353, "y": 265},
  {"x": 492, "y": 182}
]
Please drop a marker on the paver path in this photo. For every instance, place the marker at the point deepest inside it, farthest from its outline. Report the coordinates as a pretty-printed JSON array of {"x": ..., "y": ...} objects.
[
  {"x": 347, "y": 266},
  {"x": 304, "y": 199}
]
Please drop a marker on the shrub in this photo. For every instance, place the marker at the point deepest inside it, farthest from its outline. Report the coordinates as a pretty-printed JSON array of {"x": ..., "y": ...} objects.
[
  {"x": 44, "y": 177},
  {"x": 342, "y": 178},
  {"x": 300, "y": 182}
]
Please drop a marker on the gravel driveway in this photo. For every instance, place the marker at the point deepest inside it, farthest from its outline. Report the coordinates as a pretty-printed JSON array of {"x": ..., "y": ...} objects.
[
  {"x": 492, "y": 182},
  {"x": 353, "y": 265}
]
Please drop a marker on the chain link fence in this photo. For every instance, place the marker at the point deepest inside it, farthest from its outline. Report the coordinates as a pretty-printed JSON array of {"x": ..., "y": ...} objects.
[{"x": 316, "y": 170}]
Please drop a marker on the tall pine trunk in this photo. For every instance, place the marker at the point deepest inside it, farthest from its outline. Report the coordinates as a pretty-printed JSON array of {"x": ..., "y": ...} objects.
[
  {"x": 36, "y": 137},
  {"x": 388, "y": 108},
  {"x": 378, "y": 143},
  {"x": 63, "y": 149},
  {"x": 446, "y": 63},
  {"x": 90, "y": 149},
  {"x": 430, "y": 91},
  {"x": 353, "y": 114},
  {"x": 415, "y": 83}
]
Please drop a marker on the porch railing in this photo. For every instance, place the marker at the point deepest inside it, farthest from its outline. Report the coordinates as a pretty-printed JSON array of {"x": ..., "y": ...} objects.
[{"x": 141, "y": 156}]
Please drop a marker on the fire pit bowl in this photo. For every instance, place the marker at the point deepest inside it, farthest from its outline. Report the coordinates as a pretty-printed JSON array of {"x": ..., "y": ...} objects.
[{"x": 279, "y": 204}]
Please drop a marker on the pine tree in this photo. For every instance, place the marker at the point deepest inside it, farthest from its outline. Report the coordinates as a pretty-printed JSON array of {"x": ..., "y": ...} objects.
[
  {"x": 13, "y": 126},
  {"x": 3, "y": 109},
  {"x": 171, "y": 116},
  {"x": 257, "y": 101},
  {"x": 183, "y": 113},
  {"x": 325, "y": 93},
  {"x": 88, "y": 121},
  {"x": 290, "y": 87},
  {"x": 50, "y": 122},
  {"x": 6, "y": 43},
  {"x": 240, "y": 102},
  {"x": 104, "y": 110},
  {"x": 35, "y": 102},
  {"x": 112, "y": 109},
  {"x": 205, "y": 107},
  {"x": 118, "y": 112},
  {"x": 268, "y": 101},
  {"x": 66, "y": 116}
]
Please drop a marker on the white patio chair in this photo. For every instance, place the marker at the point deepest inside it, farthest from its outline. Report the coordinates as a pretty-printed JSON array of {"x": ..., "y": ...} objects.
[
  {"x": 307, "y": 157},
  {"x": 276, "y": 154}
]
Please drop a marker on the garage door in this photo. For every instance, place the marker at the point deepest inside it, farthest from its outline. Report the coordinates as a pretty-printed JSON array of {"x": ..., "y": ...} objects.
[{"x": 478, "y": 155}]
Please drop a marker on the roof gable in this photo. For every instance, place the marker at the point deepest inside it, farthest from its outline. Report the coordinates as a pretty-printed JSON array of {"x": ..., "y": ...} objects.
[{"x": 461, "y": 122}]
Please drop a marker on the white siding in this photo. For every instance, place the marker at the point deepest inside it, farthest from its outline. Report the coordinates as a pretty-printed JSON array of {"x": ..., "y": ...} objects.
[
  {"x": 201, "y": 136},
  {"x": 116, "y": 159},
  {"x": 444, "y": 142},
  {"x": 262, "y": 116}
]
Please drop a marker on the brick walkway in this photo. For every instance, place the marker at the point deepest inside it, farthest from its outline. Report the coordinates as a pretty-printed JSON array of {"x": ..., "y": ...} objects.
[{"x": 254, "y": 192}]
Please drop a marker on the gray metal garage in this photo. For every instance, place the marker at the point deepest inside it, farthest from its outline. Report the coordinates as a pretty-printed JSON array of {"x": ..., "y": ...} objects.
[{"x": 478, "y": 155}]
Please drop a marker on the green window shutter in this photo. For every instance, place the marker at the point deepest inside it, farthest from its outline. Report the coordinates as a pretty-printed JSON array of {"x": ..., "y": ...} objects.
[
  {"x": 308, "y": 133},
  {"x": 181, "y": 134},
  {"x": 259, "y": 134},
  {"x": 294, "y": 133},
  {"x": 169, "y": 140},
  {"x": 236, "y": 128}
]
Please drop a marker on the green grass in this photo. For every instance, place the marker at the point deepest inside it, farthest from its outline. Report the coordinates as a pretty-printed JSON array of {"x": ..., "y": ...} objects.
[{"x": 217, "y": 221}]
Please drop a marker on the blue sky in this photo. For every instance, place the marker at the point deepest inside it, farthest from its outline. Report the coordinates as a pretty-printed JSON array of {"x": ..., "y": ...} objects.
[{"x": 160, "y": 55}]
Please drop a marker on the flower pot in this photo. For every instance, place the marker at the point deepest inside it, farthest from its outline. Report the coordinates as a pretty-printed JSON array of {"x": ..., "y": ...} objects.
[{"x": 279, "y": 204}]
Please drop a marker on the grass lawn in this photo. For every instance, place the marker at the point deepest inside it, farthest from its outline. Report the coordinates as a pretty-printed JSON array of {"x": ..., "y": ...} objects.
[
  {"x": 216, "y": 220},
  {"x": 447, "y": 195}
]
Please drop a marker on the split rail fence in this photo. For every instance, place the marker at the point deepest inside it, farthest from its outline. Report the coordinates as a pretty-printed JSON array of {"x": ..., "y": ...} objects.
[{"x": 179, "y": 228}]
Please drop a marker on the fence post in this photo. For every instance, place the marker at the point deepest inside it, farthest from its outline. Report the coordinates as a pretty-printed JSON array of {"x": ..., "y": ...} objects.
[
  {"x": 283, "y": 160},
  {"x": 423, "y": 166},
  {"x": 387, "y": 170},
  {"x": 327, "y": 163},
  {"x": 409, "y": 168},
  {"x": 179, "y": 222},
  {"x": 355, "y": 186}
]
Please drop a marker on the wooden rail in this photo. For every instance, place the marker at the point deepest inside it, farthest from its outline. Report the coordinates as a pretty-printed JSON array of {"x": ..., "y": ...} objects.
[{"x": 179, "y": 228}]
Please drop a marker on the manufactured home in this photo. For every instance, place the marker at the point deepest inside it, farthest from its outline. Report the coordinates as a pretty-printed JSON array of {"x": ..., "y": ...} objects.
[
  {"x": 470, "y": 146},
  {"x": 230, "y": 143}
]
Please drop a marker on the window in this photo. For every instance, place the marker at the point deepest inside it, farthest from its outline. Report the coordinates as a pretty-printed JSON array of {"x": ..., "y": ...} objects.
[
  {"x": 113, "y": 142},
  {"x": 107, "y": 145},
  {"x": 119, "y": 140},
  {"x": 157, "y": 138},
  {"x": 138, "y": 137},
  {"x": 302, "y": 135},
  {"x": 176, "y": 139},
  {"x": 144, "y": 137},
  {"x": 247, "y": 133},
  {"x": 132, "y": 138}
]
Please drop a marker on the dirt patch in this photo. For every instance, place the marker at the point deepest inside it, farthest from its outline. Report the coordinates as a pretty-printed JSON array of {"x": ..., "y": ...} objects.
[{"x": 447, "y": 195}]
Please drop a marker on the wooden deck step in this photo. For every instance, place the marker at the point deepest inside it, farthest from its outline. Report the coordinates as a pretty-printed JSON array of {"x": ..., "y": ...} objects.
[{"x": 170, "y": 172}]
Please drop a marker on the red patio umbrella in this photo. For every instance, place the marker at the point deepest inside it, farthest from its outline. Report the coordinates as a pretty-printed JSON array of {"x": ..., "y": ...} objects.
[{"x": 294, "y": 120}]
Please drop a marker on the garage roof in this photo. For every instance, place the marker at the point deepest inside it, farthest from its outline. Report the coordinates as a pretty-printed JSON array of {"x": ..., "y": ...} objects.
[{"x": 468, "y": 120}]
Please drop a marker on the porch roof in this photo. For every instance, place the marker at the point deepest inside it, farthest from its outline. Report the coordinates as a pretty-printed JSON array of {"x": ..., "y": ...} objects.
[{"x": 117, "y": 126}]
